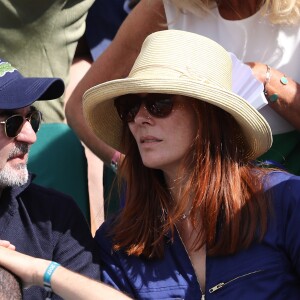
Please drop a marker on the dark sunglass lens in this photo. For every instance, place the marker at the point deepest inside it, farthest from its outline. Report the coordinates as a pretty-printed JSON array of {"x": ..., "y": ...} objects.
[
  {"x": 127, "y": 107},
  {"x": 160, "y": 105},
  {"x": 13, "y": 125},
  {"x": 35, "y": 120},
  {"x": 132, "y": 111}
]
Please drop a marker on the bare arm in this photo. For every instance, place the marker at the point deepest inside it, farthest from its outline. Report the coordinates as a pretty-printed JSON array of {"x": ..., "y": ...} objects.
[
  {"x": 70, "y": 285},
  {"x": 288, "y": 103},
  {"x": 65, "y": 283},
  {"x": 115, "y": 62}
]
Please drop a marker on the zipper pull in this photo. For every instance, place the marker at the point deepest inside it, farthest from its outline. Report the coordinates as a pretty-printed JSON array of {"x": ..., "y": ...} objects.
[
  {"x": 216, "y": 287},
  {"x": 203, "y": 297}
]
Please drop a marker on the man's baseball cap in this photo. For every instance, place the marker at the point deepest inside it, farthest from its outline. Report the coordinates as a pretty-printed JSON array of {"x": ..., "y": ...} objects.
[{"x": 17, "y": 91}]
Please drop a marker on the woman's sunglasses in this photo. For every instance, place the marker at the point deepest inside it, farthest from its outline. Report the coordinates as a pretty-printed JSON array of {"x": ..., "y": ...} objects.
[
  {"x": 13, "y": 124},
  {"x": 158, "y": 105}
]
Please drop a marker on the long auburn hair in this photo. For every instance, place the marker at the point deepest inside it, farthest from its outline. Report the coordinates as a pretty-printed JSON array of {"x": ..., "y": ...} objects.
[{"x": 229, "y": 204}]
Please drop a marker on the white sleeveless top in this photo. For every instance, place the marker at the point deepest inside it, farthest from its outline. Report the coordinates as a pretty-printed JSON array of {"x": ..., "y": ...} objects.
[{"x": 250, "y": 39}]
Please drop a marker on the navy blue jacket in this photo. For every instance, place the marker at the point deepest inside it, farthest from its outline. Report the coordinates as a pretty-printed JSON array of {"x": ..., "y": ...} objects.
[
  {"x": 267, "y": 270},
  {"x": 47, "y": 224}
]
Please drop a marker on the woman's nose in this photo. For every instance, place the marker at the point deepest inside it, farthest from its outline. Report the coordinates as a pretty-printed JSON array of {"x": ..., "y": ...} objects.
[{"x": 143, "y": 115}]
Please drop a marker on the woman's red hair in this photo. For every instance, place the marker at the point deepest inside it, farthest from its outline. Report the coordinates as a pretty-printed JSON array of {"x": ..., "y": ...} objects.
[{"x": 229, "y": 204}]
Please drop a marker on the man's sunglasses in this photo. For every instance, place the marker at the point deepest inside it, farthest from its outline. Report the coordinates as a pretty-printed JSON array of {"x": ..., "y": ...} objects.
[
  {"x": 13, "y": 124},
  {"x": 158, "y": 105}
]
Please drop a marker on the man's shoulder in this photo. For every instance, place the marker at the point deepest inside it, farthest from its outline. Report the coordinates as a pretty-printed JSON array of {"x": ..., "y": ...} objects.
[
  {"x": 37, "y": 189},
  {"x": 42, "y": 197}
]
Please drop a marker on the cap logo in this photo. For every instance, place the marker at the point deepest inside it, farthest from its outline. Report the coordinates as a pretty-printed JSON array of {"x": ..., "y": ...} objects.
[{"x": 6, "y": 67}]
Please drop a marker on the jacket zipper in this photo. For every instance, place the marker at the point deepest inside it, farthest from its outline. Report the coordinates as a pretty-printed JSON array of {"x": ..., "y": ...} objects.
[
  {"x": 202, "y": 294},
  {"x": 222, "y": 284}
]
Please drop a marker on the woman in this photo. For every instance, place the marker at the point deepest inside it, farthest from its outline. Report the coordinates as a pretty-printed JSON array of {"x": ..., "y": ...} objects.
[
  {"x": 258, "y": 32},
  {"x": 200, "y": 218}
]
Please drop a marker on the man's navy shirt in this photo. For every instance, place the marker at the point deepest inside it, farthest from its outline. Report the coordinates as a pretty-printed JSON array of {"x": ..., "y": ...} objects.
[{"x": 47, "y": 224}]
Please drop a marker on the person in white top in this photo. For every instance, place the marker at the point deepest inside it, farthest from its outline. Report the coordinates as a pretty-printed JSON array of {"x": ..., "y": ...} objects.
[{"x": 263, "y": 34}]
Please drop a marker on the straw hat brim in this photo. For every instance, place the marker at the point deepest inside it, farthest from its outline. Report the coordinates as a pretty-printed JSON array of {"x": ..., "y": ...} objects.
[{"x": 102, "y": 117}]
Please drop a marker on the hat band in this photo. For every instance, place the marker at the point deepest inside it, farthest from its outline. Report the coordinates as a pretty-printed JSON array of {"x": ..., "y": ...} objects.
[{"x": 165, "y": 71}]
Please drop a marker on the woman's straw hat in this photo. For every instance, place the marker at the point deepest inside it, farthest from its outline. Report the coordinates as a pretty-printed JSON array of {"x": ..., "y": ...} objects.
[{"x": 181, "y": 63}]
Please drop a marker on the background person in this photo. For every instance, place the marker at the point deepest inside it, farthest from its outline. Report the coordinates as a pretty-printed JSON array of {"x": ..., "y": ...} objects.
[
  {"x": 102, "y": 23},
  {"x": 275, "y": 42},
  {"x": 40, "y": 39}
]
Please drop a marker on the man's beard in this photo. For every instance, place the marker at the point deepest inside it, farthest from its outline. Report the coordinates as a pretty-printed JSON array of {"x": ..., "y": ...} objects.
[{"x": 17, "y": 175}]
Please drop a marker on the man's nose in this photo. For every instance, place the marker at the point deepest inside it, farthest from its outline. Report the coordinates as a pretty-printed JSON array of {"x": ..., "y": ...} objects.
[{"x": 26, "y": 134}]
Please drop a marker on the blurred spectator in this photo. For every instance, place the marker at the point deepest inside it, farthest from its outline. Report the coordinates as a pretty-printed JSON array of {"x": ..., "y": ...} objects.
[
  {"x": 40, "y": 38},
  {"x": 103, "y": 21},
  {"x": 231, "y": 24}
]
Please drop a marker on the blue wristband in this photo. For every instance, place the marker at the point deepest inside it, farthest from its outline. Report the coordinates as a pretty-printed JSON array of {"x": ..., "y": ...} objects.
[{"x": 48, "y": 274}]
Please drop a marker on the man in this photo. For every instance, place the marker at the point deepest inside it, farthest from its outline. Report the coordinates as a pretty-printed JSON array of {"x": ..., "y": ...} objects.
[
  {"x": 38, "y": 221},
  {"x": 10, "y": 286}
]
